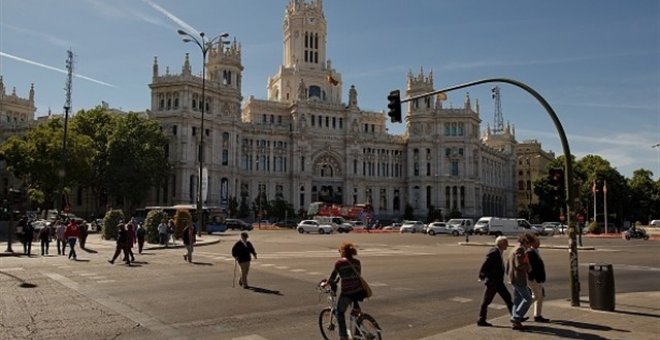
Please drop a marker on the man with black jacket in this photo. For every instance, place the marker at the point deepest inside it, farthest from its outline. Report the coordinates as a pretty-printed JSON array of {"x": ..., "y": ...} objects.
[
  {"x": 492, "y": 272},
  {"x": 243, "y": 252},
  {"x": 189, "y": 239},
  {"x": 536, "y": 278}
]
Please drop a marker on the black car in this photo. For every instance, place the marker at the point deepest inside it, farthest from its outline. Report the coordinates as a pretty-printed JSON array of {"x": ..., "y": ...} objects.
[
  {"x": 287, "y": 224},
  {"x": 233, "y": 223}
]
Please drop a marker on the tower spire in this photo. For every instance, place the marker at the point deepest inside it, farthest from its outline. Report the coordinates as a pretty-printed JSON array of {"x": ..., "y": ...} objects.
[{"x": 498, "y": 120}]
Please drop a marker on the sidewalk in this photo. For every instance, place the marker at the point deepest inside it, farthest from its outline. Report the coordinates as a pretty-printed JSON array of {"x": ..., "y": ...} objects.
[
  {"x": 94, "y": 241},
  {"x": 543, "y": 246},
  {"x": 636, "y": 317}
]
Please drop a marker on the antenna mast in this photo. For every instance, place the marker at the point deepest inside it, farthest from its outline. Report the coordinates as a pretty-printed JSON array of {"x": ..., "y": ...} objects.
[
  {"x": 64, "y": 204},
  {"x": 498, "y": 124},
  {"x": 69, "y": 81}
]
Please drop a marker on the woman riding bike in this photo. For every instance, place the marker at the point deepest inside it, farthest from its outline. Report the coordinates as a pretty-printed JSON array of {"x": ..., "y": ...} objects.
[{"x": 348, "y": 270}]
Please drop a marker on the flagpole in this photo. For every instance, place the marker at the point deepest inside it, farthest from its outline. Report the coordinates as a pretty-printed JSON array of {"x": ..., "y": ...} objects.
[
  {"x": 605, "y": 203},
  {"x": 593, "y": 190}
]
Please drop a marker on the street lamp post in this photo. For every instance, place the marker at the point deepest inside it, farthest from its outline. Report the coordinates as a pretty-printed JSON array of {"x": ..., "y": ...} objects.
[
  {"x": 204, "y": 46},
  {"x": 574, "y": 278}
]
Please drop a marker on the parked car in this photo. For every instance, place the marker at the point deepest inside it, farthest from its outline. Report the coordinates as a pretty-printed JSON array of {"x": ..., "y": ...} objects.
[
  {"x": 286, "y": 224},
  {"x": 234, "y": 223},
  {"x": 654, "y": 223},
  {"x": 393, "y": 226},
  {"x": 553, "y": 228},
  {"x": 313, "y": 226},
  {"x": 466, "y": 223},
  {"x": 538, "y": 229},
  {"x": 412, "y": 227},
  {"x": 444, "y": 228}
]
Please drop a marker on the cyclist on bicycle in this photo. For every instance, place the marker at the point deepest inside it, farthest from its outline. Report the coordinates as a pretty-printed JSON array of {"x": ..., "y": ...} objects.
[{"x": 348, "y": 270}]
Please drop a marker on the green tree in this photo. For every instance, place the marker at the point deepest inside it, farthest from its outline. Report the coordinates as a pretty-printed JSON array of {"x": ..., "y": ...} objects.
[
  {"x": 232, "y": 206},
  {"x": 136, "y": 161},
  {"x": 644, "y": 196},
  {"x": 154, "y": 218},
  {"x": 408, "y": 212},
  {"x": 40, "y": 161},
  {"x": 98, "y": 124},
  {"x": 111, "y": 219},
  {"x": 182, "y": 218},
  {"x": 434, "y": 215}
]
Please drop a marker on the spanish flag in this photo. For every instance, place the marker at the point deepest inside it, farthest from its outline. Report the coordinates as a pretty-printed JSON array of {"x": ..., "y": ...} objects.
[{"x": 332, "y": 80}]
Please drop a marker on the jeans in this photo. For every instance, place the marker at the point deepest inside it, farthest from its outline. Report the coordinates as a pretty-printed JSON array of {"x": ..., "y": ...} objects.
[
  {"x": 61, "y": 246},
  {"x": 522, "y": 299},
  {"x": 189, "y": 251},
  {"x": 72, "y": 248},
  {"x": 44, "y": 246},
  {"x": 342, "y": 305}
]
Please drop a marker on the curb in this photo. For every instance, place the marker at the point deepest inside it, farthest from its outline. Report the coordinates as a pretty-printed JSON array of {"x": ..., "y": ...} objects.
[{"x": 479, "y": 244}]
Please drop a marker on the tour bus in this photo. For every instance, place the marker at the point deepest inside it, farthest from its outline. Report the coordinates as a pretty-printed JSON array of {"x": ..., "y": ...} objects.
[{"x": 214, "y": 217}]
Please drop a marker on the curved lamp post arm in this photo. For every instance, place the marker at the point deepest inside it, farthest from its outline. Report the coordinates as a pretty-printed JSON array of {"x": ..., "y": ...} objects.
[{"x": 568, "y": 165}]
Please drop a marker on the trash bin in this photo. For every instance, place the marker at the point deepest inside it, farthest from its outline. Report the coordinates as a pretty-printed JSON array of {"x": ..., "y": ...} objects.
[{"x": 601, "y": 286}]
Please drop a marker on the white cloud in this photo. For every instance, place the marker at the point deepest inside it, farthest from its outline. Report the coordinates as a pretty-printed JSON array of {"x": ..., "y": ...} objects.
[
  {"x": 27, "y": 61},
  {"x": 40, "y": 35},
  {"x": 173, "y": 17}
]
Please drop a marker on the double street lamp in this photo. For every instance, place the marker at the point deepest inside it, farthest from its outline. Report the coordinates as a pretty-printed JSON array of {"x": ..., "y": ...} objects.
[{"x": 204, "y": 45}]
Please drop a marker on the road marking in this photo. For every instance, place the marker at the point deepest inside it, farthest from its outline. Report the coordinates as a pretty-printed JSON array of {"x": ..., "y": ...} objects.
[
  {"x": 251, "y": 337},
  {"x": 314, "y": 273},
  {"x": 629, "y": 267},
  {"x": 298, "y": 270},
  {"x": 402, "y": 288},
  {"x": 105, "y": 281},
  {"x": 100, "y": 277},
  {"x": 496, "y": 306},
  {"x": 378, "y": 284},
  {"x": 460, "y": 299},
  {"x": 281, "y": 267},
  {"x": 12, "y": 269},
  {"x": 87, "y": 274},
  {"x": 119, "y": 307},
  {"x": 266, "y": 264}
]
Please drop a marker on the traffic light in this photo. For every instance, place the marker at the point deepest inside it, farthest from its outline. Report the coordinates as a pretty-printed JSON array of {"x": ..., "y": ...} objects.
[
  {"x": 556, "y": 181},
  {"x": 394, "y": 106}
]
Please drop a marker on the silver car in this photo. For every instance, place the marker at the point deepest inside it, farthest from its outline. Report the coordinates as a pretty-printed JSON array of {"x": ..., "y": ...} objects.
[
  {"x": 444, "y": 228},
  {"x": 412, "y": 227},
  {"x": 313, "y": 226}
]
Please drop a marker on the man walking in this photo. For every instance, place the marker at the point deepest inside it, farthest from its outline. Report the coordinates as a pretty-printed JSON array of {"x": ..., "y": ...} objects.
[
  {"x": 59, "y": 235},
  {"x": 72, "y": 233},
  {"x": 492, "y": 274},
  {"x": 517, "y": 269},
  {"x": 44, "y": 237},
  {"x": 536, "y": 279},
  {"x": 28, "y": 236},
  {"x": 162, "y": 233},
  {"x": 141, "y": 233},
  {"x": 189, "y": 238},
  {"x": 122, "y": 245},
  {"x": 243, "y": 252}
]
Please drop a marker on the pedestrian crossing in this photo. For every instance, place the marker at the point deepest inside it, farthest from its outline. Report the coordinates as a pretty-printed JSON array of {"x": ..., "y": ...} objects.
[{"x": 282, "y": 255}]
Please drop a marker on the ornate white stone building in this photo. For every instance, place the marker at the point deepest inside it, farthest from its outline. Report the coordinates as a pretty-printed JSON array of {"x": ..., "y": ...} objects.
[
  {"x": 303, "y": 143},
  {"x": 16, "y": 117}
]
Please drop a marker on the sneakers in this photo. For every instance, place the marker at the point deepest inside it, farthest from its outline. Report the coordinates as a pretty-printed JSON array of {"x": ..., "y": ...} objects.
[
  {"x": 484, "y": 323},
  {"x": 111, "y": 261},
  {"x": 541, "y": 319}
]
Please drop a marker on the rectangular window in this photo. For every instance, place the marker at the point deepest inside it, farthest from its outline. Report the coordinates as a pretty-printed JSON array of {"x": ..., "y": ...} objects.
[
  {"x": 264, "y": 119},
  {"x": 302, "y": 164},
  {"x": 334, "y": 122},
  {"x": 313, "y": 120},
  {"x": 225, "y": 157},
  {"x": 341, "y": 123},
  {"x": 454, "y": 168}
]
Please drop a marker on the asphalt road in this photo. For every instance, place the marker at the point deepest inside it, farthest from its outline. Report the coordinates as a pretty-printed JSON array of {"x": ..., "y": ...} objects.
[{"x": 423, "y": 285}]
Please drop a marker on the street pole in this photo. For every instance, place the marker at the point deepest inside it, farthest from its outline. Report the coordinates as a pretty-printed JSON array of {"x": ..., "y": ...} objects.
[
  {"x": 574, "y": 278},
  {"x": 204, "y": 47},
  {"x": 605, "y": 204},
  {"x": 594, "y": 191}
]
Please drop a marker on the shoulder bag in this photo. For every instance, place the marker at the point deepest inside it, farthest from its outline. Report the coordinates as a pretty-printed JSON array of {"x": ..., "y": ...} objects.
[{"x": 363, "y": 282}]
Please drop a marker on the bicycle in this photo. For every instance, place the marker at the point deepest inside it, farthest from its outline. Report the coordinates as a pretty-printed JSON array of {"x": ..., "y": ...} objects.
[{"x": 359, "y": 326}]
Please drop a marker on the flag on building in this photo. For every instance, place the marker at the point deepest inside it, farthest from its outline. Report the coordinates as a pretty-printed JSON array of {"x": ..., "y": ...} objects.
[{"x": 332, "y": 80}]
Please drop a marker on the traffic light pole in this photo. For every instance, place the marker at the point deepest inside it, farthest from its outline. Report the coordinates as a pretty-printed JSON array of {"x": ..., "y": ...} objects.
[{"x": 574, "y": 278}]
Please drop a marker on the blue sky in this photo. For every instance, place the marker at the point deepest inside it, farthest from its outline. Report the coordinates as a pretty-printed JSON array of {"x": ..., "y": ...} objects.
[{"x": 597, "y": 62}]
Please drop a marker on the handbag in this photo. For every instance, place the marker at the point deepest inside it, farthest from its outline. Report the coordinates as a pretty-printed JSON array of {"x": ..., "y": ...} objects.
[{"x": 363, "y": 282}]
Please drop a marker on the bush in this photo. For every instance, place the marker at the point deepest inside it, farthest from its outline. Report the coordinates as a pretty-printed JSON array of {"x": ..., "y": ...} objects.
[
  {"x": 182, "y": 218},
  {"x": 154, "y": 217},
  {"x": 593, "y": 228},
  {"x": 110, "y": 221}
]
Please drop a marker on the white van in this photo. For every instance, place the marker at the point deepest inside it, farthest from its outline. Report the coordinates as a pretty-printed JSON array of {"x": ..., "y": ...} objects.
[{"x": 501, "y": 226}]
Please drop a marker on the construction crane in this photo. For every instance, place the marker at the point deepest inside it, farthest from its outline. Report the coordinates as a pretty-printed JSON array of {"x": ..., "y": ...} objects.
[{"x": 498, "y": 123}]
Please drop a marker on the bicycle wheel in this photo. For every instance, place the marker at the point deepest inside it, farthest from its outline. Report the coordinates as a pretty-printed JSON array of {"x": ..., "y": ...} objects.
[
  {"x": 328, "y": 324},
  {"x": 369, "y": 328}
]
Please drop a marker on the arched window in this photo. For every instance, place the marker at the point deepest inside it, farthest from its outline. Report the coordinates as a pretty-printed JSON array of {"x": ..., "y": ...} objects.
[{"x": 314, "y": 91}]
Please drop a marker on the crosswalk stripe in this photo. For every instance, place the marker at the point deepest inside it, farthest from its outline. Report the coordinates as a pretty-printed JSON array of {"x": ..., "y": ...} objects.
[
  {"x": 496, "y": 306},
  {"x": 251, "y": 337},
  {"x": 105, "y": 281},
  {"x": 12, "y": 269},
  {"x": 460, "y": 299}
]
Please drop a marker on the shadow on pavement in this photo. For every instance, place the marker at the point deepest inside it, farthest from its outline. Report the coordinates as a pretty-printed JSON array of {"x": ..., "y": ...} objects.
[
  {"x": 23, "y": 283},
  {"x": 584, "y": 325},
  {"x": 90, "y": 250},
  {"x": 139, "y": 262},
  {"x": 265, "y": 290},
  {"x": 81, "y": 260},
  {"x": 649, "y": 315},
  {"x": 561, "y": 333},
  {"x": 202, "y": 263}
]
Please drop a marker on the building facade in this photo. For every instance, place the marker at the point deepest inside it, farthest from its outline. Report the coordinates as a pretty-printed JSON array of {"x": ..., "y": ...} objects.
[
  {"x": 16, "y": 117},
  {"x": 532, "y": 164},
  {"x": 304, "y": 144}
]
